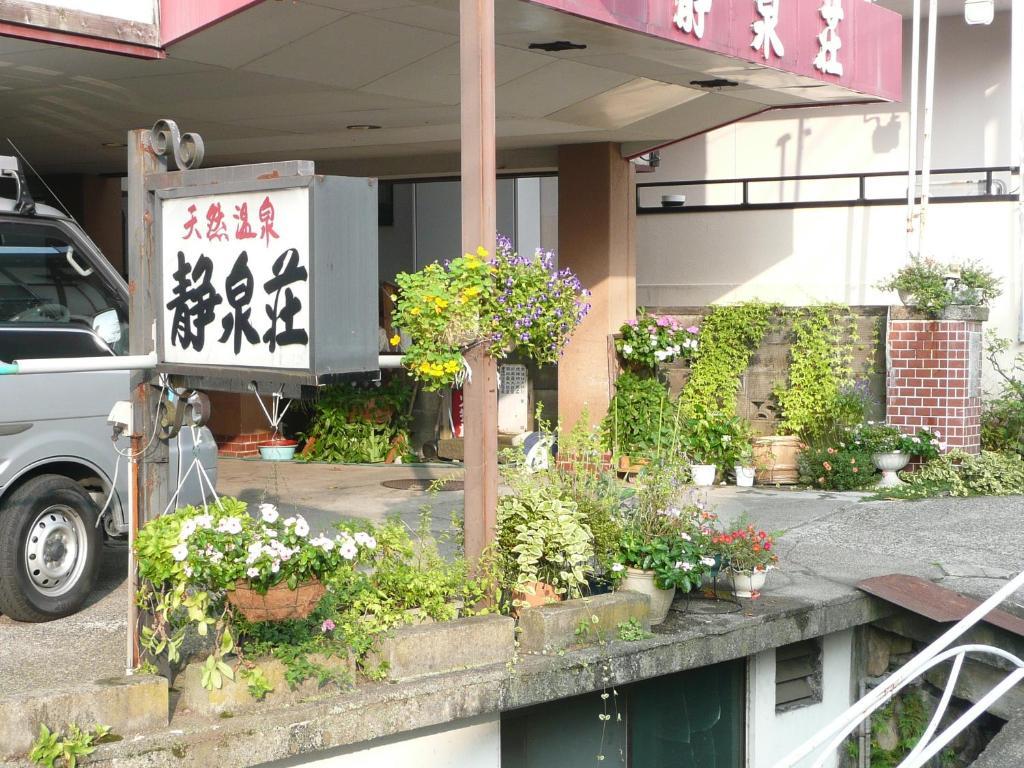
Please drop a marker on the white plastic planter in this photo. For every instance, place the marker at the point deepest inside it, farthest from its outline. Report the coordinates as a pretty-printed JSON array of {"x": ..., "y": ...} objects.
[
  {"x": 744, "y": 476},
  {"x": 703, "y": 474}
]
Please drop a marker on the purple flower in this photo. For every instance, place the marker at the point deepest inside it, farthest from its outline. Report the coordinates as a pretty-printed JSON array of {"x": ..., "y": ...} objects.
[{"x": 327, "y": 626}]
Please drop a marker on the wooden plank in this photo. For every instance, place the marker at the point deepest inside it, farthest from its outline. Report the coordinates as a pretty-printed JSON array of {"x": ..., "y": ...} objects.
[
  {"x": 934, "y": 602},
  {"x": 73, "y": 22},
  {"x": 794, "y": 669},
  {"x": 794, "y": 690}
]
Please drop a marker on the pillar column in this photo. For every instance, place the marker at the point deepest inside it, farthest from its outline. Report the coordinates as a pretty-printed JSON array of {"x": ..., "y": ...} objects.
[
  {"x": 596, "y": 215},
  {"x": 933, "y": 379}
]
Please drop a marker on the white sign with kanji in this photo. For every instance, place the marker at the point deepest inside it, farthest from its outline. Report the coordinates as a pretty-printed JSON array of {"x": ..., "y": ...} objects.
[{"x": 235, "y": 279}]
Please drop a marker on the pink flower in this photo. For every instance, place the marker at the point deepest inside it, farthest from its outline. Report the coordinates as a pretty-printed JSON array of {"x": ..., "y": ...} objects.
[
  {"x": 327, "y": 626},
  {"x": 664, "y": 322},
  {"x": 631, "y": 323},
  {"x": 693, "y": 329}
]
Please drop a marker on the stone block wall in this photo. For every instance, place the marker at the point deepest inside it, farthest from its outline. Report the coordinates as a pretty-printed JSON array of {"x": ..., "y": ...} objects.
[{"x": 934, "y": 376}]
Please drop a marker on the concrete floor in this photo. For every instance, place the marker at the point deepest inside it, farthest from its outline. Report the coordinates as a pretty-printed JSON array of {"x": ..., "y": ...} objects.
[{"x": 972, "y": 545}]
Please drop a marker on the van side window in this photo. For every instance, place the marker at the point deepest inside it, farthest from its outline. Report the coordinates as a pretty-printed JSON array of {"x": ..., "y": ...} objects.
[{"x": 45, "y": 281}]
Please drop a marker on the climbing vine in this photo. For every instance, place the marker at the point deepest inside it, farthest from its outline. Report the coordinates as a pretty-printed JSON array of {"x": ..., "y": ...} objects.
[
  {"x": 728, "y": 338},
  {"x": 821, "y": 366}
]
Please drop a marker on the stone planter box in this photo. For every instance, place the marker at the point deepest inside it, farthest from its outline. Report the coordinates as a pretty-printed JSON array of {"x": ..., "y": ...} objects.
[
  {"x": 552, "y": 627},
  {"x": 234, "y": 695},
  {"x": 431, "y": 649},
  {"x": 130, "y": 705},
  {"x": 952, "y": 312}
]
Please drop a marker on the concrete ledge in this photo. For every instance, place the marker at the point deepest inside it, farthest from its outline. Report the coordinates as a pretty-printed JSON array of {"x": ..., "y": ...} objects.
[
  {"x": 129, "y": 705},
  {"x": 952, "y": 312},
  {"x": 430, "y": 649},
  {"x": 234, "y": 697},
  {"x": 554, "y": 626}
]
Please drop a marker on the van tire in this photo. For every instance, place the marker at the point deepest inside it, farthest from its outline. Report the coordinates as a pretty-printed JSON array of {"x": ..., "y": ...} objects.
[{"x": 64, "y": 514}]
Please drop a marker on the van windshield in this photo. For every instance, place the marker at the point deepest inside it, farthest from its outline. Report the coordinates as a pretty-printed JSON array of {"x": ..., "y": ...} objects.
[{"x": 43, "y": 280}]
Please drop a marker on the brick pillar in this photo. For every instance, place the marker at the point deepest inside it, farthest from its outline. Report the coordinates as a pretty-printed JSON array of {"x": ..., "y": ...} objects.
[{"x": 934, "y": 374}]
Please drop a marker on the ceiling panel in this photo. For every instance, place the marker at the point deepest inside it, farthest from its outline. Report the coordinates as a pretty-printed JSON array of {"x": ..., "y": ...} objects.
[
  {"x": 627, "y": 104},
  {"x": 254, "y": 33},
  {"x": 554, "y": 87},
  {"x": 353, "y": 52}
]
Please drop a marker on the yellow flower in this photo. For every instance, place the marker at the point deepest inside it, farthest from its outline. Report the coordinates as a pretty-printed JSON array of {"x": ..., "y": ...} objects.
[
  {"x": 482, "y": 252},
  {"x": 414, "y": 311},
  {"x": 472, "y": 262},
  {"x": 395, "y": 340},
  {"x": 442, "y": 303},
  {"x": 473, "y": 290},
  {"x": 451, "y": 366},
  {"x": 393, "y": 297}
]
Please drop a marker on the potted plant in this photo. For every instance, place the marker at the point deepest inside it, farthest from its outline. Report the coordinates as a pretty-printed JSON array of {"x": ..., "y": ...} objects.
[
  {"x": 747, "y": 554},
  {"x": 278, "y": 448},
  {"x": 710, "y": 441},
  {"x": 931, "y": 286},
  {"x": 650, "y": 340},
  {"x": 547, "y": 546},
  {"x": 663, "y": 547},
  {"x": 891, "y": 450},
  {"x": 746, "y": 467}
]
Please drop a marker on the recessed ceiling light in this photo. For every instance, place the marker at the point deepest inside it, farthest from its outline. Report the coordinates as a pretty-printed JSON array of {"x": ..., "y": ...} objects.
[
  {"x": 363, "y": 127},
  {"x": 718, "y": 82},
  {"x": 557, "y": 45},
  {"x": 114, "y": 144}
]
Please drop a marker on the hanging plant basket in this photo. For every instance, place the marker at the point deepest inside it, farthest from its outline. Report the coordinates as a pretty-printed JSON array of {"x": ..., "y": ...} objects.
[{"x": 279, "y": 603}]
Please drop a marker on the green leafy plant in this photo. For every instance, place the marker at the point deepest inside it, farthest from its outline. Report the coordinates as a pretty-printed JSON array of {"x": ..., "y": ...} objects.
[
  {"x": 256, "y": 682},
  {"x": 631, "y": 630},
  {"x": 355, "y": 424},
  {"x": 931, "y": 286},
  {"x": 649, "y": 340},
  {"x": 836, "y": 469},
  {"x": 963, "y": 474},
  {"x": 714, "y": 438},
  {"x": 52, "y": 748},
  {"x": 908, "y": 715},
  {"x": 544, "y": 538},
  {"x": 728, "y": 337},
  {"x": 873, "y": 437},
  {"x": 820, "y": 370},
  {"x": 641, "y": 417},
  {"x": 1002, "y": 421},
  {"x": 508, "y": 302}
]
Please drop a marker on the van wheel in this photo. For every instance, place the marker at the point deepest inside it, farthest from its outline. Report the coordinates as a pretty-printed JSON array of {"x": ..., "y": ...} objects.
[{"x": 49, "y": 549}]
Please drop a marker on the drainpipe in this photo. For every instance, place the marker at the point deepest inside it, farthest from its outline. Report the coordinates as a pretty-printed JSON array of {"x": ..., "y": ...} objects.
[
  {"x": 1017, "y": 139},
  {"x": 929, "y": 100},
  {"x": 915, "y": 61}
]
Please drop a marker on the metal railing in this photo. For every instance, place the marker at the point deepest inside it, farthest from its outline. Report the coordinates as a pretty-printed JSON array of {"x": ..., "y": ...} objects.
[
  {"x": 953, "y": 185},
  {"x": 828, "y": 739}
]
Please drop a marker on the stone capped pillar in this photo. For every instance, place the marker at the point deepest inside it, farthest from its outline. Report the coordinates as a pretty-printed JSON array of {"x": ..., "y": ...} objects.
[{"x": 933, "y": 379}]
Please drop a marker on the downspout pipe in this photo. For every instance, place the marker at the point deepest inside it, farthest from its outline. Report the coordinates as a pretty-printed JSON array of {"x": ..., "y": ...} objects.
[{"x": 79, "y": 364}]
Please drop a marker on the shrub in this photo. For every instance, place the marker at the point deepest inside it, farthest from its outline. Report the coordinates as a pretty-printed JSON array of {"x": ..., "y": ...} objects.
[
  {"x": 640, "y": 417},
  {"x": 962, "y": 474},
  {"x": 836, "y": 469}
]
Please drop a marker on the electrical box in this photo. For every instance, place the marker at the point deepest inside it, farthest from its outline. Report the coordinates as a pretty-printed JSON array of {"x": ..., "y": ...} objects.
[
  {"x": 269, "y": 282},
  {"x": 513, "y": 399}
]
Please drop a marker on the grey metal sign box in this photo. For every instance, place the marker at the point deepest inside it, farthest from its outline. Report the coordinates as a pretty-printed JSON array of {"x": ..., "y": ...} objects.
[{"x": 337, "y": 299}]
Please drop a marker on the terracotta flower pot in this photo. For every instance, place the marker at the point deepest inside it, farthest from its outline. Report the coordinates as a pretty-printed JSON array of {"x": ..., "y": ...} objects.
[
  {"x": 279, "y": 603},
  {"x": 776, "y": 459},
  {"x": 543, "y": 593}
]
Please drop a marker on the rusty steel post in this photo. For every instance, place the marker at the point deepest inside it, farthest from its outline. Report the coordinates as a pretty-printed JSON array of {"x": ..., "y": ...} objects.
[{"x": 479, "y": 196}]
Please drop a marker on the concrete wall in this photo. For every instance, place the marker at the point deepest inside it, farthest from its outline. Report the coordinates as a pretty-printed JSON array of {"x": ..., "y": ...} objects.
[
  {"x": 771, "y": 736},
  {"x": 821, "y": 254},
  {"x": 472, "y": 743}
]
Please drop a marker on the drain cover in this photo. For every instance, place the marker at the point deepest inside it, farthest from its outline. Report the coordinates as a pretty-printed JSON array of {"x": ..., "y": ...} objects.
[{"x": 413, "y": 484}]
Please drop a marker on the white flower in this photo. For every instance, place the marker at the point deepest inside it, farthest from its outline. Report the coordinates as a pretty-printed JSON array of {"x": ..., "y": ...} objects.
[
  {"x": 255, "y": 550},
  {"x": 180, "y": 552},
  {"x": 348, "y": 549},
  {"x": 187, "y": 529},
  {"x": 618, "y": 567},
  {"x": 937, "y": 433},
  {"x": 216, "y": 557},
  {"x": 275, "y": 566},
  {"x": 252, "y": 573},
  {"x": 230, "y": 525},
  {"x": 683, "y": 565},
  {"x": 269, "y": 513},
  {"x": 204, "y": 521},
  {"x": 289, "y": 522},
  {"x": 916, "y": 439},
  {"x": 627, "y": 349},
  {"x": 188, "y": 570},
  {"x": 301, "y": 526},
  {"x": 726, "y": 438},
  {"x": 685, "y": 536},
  {"x": 325, "y": 544},
  {"x": 270, "y": 532},
  {"x": 707, "y": 561}
]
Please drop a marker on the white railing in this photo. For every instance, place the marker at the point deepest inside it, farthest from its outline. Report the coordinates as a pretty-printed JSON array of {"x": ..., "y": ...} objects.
[{"x": 828, "y": 739}]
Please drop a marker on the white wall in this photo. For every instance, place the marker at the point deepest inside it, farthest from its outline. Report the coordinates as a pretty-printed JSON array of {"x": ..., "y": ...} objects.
[
  {"x": 471, "y": 743},
  {"x": 771, "y": 736}
]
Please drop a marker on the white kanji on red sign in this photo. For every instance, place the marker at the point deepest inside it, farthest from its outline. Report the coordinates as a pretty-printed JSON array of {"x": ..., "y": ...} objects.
[
  {"x": 689, "y": 16},
  {"x": 766, "y": 38},
  {"x": 829, "y": 43}
]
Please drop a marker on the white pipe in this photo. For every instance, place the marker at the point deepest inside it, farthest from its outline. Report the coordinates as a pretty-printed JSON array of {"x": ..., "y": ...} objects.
[
  {"x": 929, "y": 100},
  {"x": 389, "y": 361},
  {"x": 1017, "y": 138},
  {"x": 82, "y": 364},
  {"x": 915, "y": 66},
  {"x": 900, "y": 677}
]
